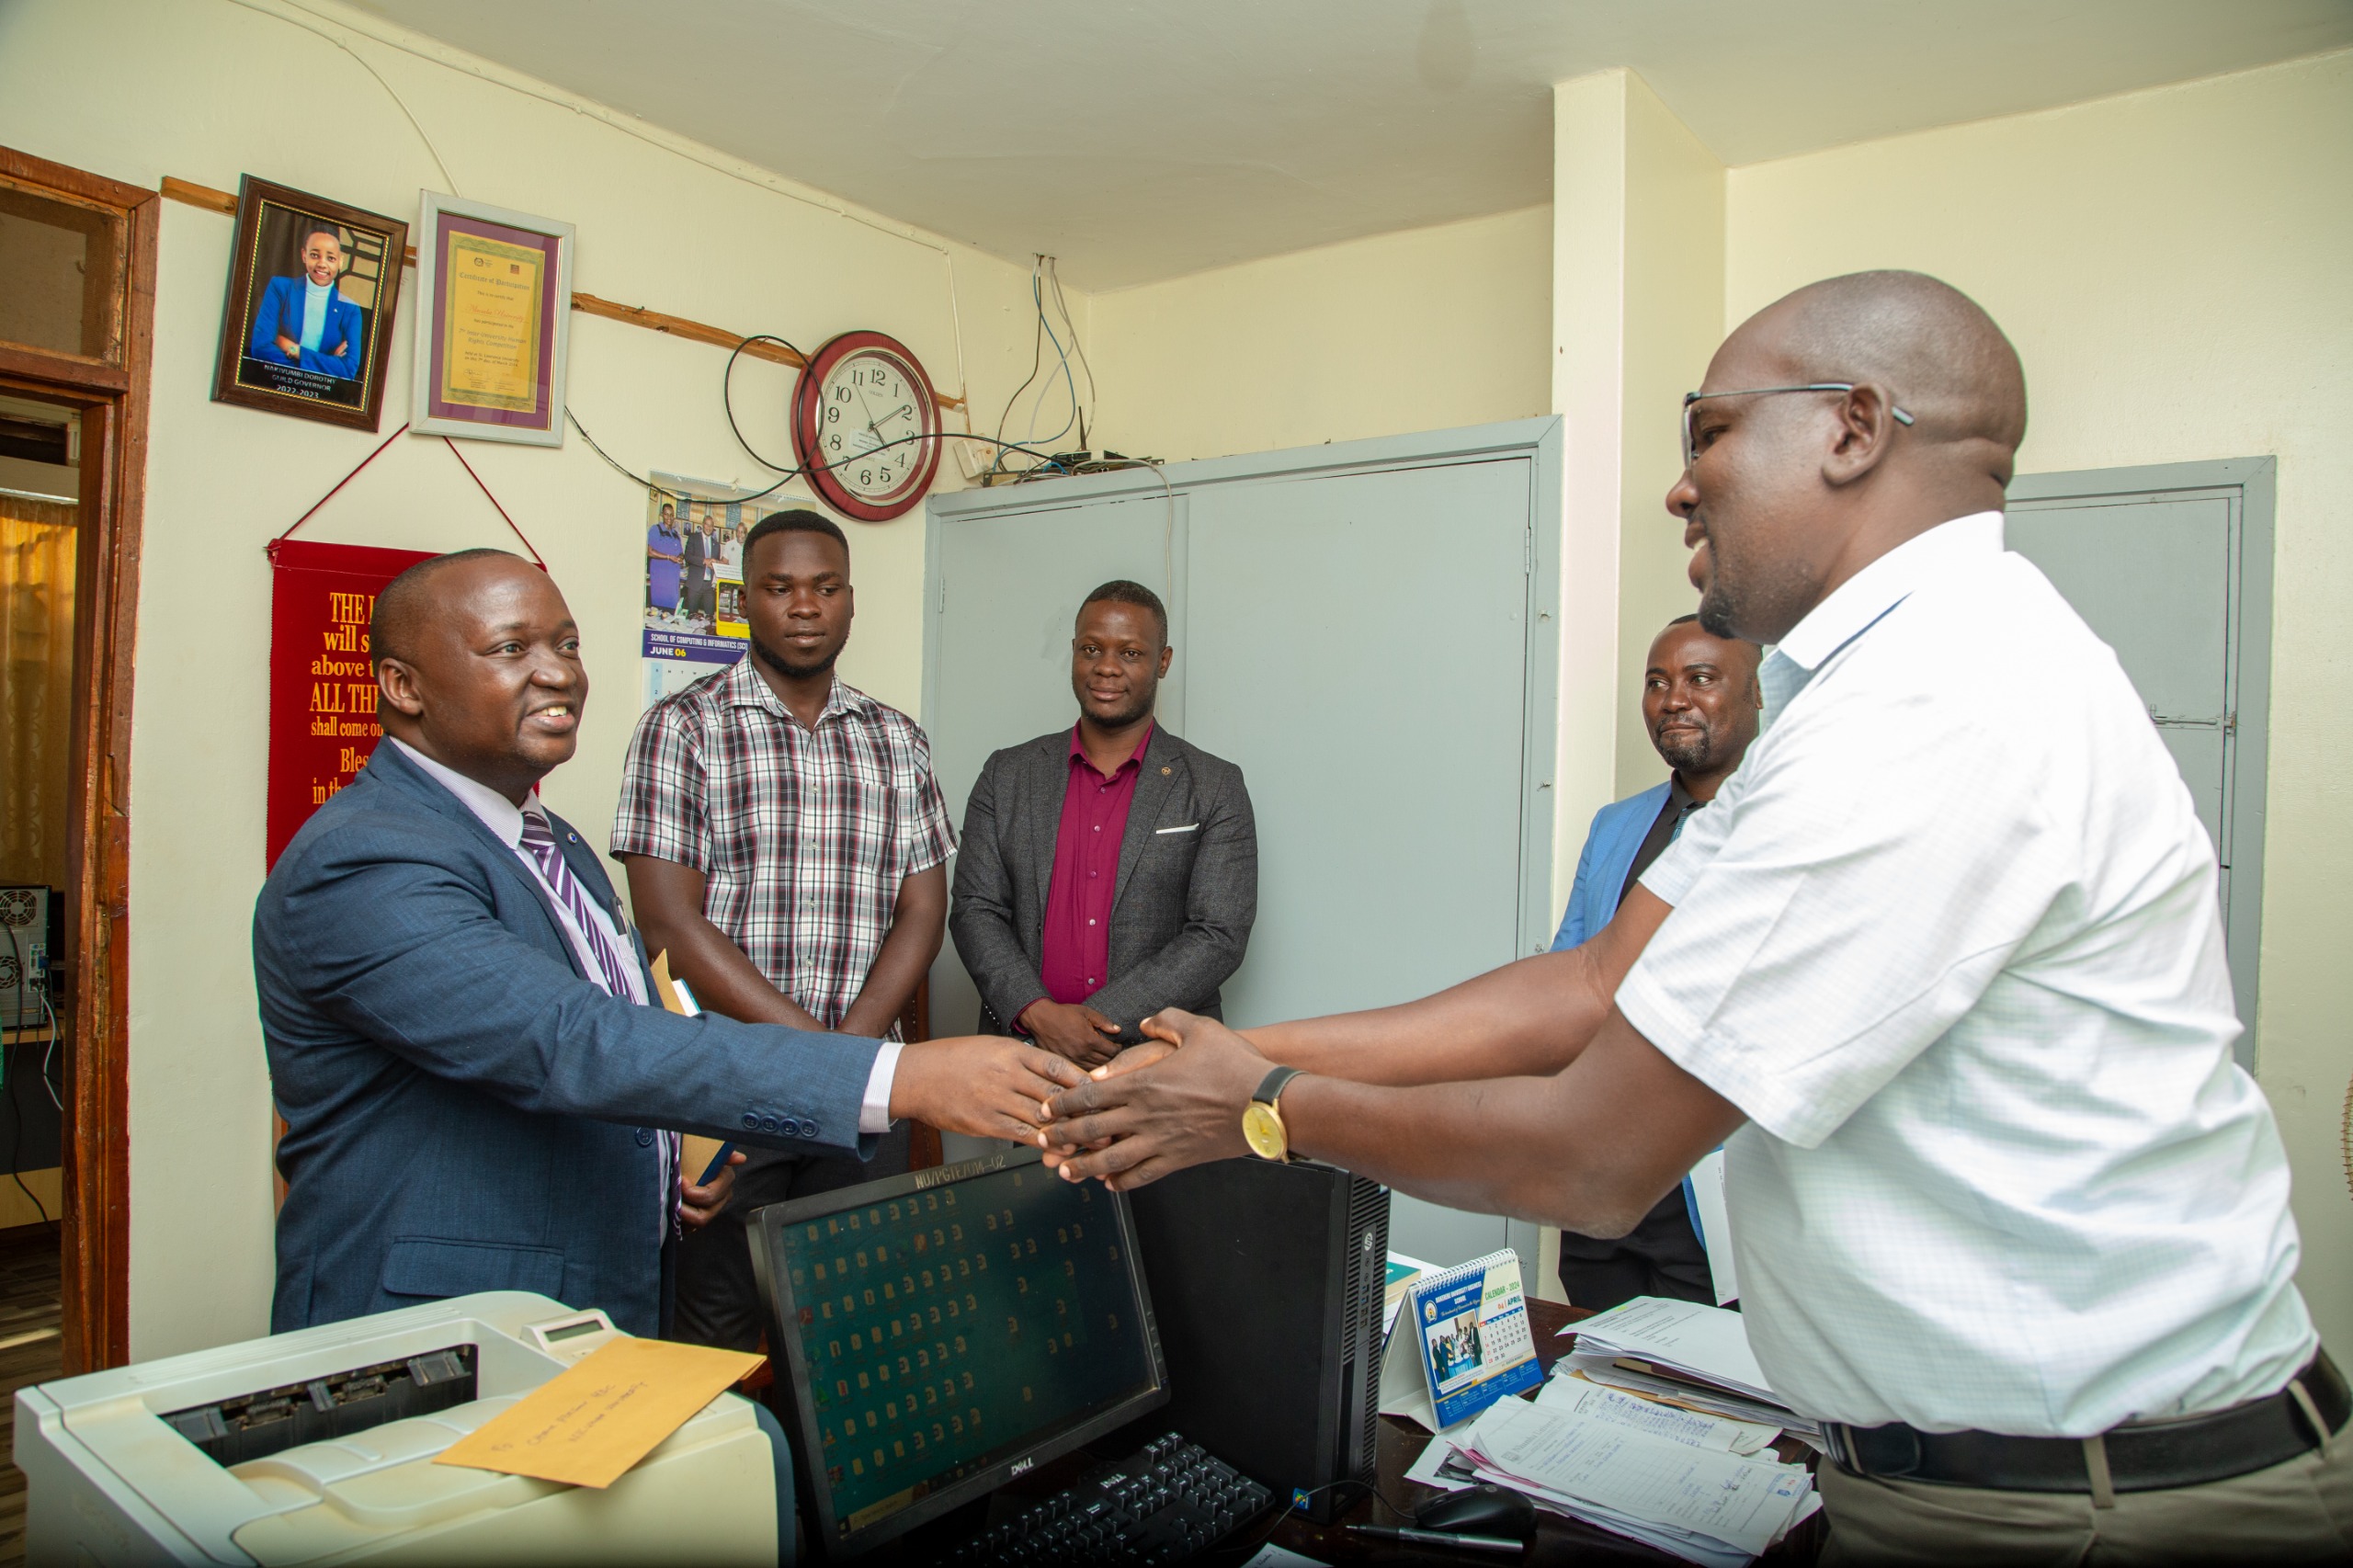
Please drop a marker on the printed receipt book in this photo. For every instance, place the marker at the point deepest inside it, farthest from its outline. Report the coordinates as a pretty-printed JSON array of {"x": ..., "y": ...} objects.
[{"x": 1460, "y": 1342}]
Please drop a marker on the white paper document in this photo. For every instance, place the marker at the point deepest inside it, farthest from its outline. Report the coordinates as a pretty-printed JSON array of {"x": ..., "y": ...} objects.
[
  {"x": 1605, "y": 1370},
  {"x": 1717, "y": 1500},
  {"x": 1678, "y": 1337},
  {"x": 1578, "y": 1396},
  {"x": 1715, "y": 1226}
]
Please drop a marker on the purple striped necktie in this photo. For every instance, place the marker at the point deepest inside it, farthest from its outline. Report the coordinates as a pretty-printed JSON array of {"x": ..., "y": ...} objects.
[{"x": 539, "y": 842}]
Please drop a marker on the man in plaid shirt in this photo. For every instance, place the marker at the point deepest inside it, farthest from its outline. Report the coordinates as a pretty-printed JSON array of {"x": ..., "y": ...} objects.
[{"x": 787, "y": 844}]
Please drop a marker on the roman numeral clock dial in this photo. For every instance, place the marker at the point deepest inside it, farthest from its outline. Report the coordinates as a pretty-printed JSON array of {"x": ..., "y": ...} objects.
[{"x": 866, "y": 426}]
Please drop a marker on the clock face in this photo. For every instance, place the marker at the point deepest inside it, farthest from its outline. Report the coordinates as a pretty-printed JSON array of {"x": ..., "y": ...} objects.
[{"x": 868, "y": 427}]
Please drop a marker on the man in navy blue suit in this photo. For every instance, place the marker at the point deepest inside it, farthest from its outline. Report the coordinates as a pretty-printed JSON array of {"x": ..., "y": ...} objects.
[
  {"x": 1700, "y": 704},
  {"x": 304, "y": 320},
  {"x": 477, "y": 1096}
]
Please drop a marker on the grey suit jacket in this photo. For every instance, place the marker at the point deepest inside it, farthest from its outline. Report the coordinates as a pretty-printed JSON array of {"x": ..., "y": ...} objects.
[{"x": 1181, "y": 912}]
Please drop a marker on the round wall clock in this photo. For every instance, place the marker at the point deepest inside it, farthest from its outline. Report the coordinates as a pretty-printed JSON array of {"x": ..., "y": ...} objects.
[{"x": 866, "y": 426}]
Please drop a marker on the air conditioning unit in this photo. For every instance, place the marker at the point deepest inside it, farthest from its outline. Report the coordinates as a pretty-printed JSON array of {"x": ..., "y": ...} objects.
[{"x": 28, "y": 937}]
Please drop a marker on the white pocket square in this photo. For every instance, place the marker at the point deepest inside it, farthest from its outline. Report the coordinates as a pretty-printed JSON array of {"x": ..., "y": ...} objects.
[{"x": 1187, "y": 828}]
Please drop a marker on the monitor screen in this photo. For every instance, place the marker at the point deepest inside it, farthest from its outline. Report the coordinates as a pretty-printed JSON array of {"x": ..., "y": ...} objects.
[{"x": 946, "y": 1329}]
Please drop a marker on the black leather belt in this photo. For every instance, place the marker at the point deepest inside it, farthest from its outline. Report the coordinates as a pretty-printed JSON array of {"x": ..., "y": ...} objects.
[{"x": 2141, "y": 1455}]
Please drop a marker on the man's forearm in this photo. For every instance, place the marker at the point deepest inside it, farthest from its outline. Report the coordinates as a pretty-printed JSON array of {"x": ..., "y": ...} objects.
[
  {"x": 1590, "y": 1148},
  {"x": 723, "y": 979},
  {"x": 1528, "y": 1018}
]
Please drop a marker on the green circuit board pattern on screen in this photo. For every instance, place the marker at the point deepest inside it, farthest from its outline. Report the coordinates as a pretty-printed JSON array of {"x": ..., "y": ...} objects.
[{"x": 944, "y": 1328}]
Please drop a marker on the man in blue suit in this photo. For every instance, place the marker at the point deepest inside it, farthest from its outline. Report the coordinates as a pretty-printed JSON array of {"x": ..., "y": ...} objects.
[
  {"x": 305, "y": 320},
  {"x": 477, "y": 1096},
  {"x": 1700, "y": 704}
]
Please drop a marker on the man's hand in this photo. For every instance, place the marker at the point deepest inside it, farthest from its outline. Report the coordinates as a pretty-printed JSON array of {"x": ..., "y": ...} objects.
[
  {"x": 1132, "y": 1126},
  {"x": 698, "y": 1206},
  {"x": 1071, "y": 1029},
  {"x": 985, "y": 1085}
]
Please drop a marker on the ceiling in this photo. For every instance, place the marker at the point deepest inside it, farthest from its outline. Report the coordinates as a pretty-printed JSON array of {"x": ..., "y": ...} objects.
[{"x": 1143, "y": 139}]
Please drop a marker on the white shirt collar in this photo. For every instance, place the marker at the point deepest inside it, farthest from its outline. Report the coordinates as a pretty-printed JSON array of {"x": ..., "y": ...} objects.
[
  {"x": 1885, "y": 583},
  {"x": 1851, "y": 607},
  {"x": 498, "y": 813}
]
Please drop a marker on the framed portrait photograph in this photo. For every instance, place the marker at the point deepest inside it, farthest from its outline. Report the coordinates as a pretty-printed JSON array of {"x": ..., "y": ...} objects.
[
  {"x": 313, "y": 286},
  {"x": 493, "y": 314}
]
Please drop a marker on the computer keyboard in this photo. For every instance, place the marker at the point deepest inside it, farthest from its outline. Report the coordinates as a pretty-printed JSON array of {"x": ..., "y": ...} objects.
[{"x": 1169, "y": 1501}]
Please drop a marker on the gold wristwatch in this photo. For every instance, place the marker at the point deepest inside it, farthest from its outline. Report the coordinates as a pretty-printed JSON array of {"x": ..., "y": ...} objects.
[{"x": 1262, "y": 1119}]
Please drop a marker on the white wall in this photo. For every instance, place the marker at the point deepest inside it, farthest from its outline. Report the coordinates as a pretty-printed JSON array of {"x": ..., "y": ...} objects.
[
  {"x": 186, "y": 91},
  {"x": 1420, "y": 330},
  {"x": 2172, "y": 265}
]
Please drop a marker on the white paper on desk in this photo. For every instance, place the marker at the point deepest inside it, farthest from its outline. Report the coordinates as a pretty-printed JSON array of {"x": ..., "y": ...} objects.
[
  {"x": 1739, "y": 1502},
  {"x": 1605, "y": 1370},
  {"x": 1432, "y": 1469},
  {"x": 1715, "y": 1226},
  {"x": 1709, "y": 1342},
  {"x": 1460, "y": 1470},
  {"x": 1587, "y": 1401}
]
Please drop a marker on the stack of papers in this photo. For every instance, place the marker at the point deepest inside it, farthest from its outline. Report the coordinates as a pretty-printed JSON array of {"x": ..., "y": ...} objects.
[
  {"x": 1667, "y": 1483},
  {"x": 1693, "y": 1356}
]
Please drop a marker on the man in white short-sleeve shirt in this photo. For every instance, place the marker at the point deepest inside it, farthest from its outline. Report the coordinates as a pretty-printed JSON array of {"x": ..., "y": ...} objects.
[{"x": 1944, "y": 961}]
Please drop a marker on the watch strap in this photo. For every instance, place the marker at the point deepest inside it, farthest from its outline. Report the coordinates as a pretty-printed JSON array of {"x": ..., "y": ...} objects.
[{"x": 1271, "y": 1087}]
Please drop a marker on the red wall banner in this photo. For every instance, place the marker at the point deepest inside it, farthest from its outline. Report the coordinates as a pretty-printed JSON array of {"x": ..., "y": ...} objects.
[{"x": 322, "y": 686}]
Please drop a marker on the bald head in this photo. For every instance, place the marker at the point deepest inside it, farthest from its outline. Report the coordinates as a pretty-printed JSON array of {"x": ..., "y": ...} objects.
[
  {"x": 409, "y": 601},
  {"x": 1836, "y": 423},
  {"x": 1931, "y": 345},
  {"x": 478, "y": 667}
]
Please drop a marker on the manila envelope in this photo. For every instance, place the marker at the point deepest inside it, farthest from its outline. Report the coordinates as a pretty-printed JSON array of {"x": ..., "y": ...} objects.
[{"x": 589, "y": 1423}]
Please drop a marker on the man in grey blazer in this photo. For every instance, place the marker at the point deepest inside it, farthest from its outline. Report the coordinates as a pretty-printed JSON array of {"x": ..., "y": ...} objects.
[
  {"x": 477, "y": 1095},
  {"x": 1109, "y": 869}
]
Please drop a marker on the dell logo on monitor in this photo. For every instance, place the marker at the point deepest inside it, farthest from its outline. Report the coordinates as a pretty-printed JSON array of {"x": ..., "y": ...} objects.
[{"x": 1021, "y": 1466}]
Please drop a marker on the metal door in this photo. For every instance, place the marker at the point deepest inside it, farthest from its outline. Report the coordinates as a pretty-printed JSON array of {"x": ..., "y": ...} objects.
[
  {"x": 1355, "y": 628},
  {"x": 2171, "y": 568}
]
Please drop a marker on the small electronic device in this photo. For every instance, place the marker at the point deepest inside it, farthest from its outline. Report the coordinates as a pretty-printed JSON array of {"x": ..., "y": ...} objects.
[
  {"x": 29, "y": 938},
  {"x": 1269, "y": 1281},
  {"x": 319, "y": 1446},
  {"x": 946, "y": 1331},
  {"x": 1485, "y": 1509},
  {"x": 1171, "y": 1502}
]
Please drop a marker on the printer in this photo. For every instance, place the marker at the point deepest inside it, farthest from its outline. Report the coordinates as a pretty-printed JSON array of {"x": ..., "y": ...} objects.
[{"x": 317, "y": 1446}]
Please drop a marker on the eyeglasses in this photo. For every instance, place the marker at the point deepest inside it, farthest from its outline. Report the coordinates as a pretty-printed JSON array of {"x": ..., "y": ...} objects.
[{"x": 1690, "y": 398}]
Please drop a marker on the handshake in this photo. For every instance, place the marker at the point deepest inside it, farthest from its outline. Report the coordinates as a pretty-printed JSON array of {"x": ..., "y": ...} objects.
[{"x": 1154, "y": 1109}]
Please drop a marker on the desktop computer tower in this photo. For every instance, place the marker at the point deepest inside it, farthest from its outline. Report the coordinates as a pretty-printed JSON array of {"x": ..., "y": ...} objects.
[{"x": 1267, "y": 1280}]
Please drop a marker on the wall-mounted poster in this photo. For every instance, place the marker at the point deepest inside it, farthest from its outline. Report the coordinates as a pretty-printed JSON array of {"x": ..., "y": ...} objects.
[
  {"x": 694, "y": 578},
  {"x": 313, "y": 285},
  {"x": 494, "y": 295}
]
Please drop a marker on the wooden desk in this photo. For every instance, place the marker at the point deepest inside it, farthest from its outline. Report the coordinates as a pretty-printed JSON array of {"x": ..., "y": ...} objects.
[{"x": 1558, "y": 1540}]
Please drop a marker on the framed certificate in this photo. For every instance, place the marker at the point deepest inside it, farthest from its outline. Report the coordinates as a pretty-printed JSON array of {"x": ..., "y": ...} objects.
[{"x": 493, "y": 322}]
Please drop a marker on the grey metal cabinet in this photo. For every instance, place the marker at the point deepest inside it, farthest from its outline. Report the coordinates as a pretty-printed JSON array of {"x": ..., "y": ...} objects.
[
  {"x": 2171, "y": 567},
  {"x": 1367, "y": 629}
]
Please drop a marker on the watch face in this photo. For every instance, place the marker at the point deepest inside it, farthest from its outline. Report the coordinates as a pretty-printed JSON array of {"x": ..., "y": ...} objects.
[
  {"x": 1262, "y": 1129},
  {"x": 870, "y": 403}
]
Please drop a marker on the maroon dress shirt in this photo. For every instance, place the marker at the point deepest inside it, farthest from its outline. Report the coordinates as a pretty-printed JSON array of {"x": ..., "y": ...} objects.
[{"x": 1076, "y": 952}]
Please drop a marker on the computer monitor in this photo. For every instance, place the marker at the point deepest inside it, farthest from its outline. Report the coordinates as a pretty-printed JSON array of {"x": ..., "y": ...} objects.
[{"x": 944, "y": 1331}]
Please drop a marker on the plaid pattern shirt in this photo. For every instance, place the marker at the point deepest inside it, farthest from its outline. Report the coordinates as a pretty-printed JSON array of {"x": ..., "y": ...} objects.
[{"x": 802, "y": 836}]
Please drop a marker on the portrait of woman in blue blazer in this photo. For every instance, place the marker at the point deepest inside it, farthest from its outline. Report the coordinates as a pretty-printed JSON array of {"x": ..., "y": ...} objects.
[{"x": 304, "y": 320}]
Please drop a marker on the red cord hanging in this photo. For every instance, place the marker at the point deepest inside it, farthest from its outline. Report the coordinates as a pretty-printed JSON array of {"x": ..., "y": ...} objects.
[{"x": 271, "y": 547}]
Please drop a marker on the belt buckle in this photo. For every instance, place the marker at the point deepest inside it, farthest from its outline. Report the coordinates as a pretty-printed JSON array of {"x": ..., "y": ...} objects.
[{"x": 1842, "y": 1453}]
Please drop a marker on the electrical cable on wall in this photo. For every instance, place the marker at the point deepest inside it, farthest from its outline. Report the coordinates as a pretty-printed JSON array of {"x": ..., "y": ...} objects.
[{"x": 679, "y": 147}]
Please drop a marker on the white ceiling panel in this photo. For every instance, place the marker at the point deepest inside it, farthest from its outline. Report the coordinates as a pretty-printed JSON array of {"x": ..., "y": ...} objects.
[{"x": 1142, "y": 140}]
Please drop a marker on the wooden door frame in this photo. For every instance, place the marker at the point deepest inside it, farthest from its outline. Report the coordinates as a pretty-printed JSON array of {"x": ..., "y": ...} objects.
[{"x": 112, "y": 398}]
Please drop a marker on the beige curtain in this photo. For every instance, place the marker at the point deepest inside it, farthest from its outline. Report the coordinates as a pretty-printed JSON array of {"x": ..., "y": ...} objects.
[{"x": 36, "y": 687}]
